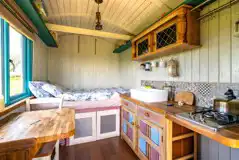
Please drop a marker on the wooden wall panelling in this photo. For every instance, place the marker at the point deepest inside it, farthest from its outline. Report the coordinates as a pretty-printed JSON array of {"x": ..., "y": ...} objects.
[
  {"x": 213, "y": 66},
  {"x": 234, "y": 154},
  {"x": 235, "y": 45},
  {"x": 87, "y": 68},
  {"x": 204, "y": 148},
  {"x": 204, "y": 30},
  {"x": 181, "y": 67},
  {"x": 188, "y": 66},
  {"x": 196, "y": 65},
  {"x": 224, "y": 152},
  {"x": 225, "y": 43},
  {"x": 213, "y": 150}
]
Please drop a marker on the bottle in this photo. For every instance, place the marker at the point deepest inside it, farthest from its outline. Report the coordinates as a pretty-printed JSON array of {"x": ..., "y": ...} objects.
[{"x": 2, "y": 104}]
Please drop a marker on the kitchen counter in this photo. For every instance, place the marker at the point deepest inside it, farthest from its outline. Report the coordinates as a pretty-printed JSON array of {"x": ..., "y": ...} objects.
[{"x": 226, "y": 136}]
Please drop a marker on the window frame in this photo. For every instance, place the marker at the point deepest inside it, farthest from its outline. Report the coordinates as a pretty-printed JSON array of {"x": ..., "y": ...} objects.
[{"x": 26, "y": 60}]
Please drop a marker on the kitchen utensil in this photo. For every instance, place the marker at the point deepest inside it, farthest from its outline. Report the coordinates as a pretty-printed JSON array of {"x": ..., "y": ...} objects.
[
  {"x": 185, "y": 97},
  {"x": 227, "y": 105}
]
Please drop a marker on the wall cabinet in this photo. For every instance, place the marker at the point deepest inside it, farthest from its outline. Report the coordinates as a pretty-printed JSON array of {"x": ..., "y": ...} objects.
[
  {"x": 149, "y": 134},
  {"x": 176, "y": 32}
]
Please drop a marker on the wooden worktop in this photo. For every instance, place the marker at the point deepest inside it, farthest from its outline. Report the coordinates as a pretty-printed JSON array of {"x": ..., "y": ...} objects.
[
  {"x": 225, "y": 136},
  {"x": 161, "y": 107},
  {"x": 44, "y": 126}
]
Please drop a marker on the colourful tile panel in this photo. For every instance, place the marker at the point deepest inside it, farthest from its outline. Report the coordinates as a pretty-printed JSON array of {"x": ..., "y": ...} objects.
[
  {"x": 155, "y": 135},
  {"x": 130, "y": 133},
  {"x": 125, "y": 127},
  {"x": 154, "y": 154},
  {"x": 143, "y": 146},
  {"x": 143, "y": 128}
]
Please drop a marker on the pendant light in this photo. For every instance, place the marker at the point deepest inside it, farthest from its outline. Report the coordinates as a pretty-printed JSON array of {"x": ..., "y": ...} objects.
[{"x": 98, "y": 25}]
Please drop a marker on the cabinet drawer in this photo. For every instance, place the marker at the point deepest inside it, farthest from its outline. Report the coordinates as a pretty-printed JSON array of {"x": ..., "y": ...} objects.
[
  {"x": 129, "y": 105},
  {"x": 151, "y": 116}
]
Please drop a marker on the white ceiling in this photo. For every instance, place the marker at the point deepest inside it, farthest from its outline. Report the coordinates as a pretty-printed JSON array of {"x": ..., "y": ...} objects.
[{"x": 119, "y": 16}]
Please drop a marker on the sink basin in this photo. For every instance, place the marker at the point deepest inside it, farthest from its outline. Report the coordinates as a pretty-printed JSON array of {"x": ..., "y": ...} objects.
[{"x": 149, "y": 95}]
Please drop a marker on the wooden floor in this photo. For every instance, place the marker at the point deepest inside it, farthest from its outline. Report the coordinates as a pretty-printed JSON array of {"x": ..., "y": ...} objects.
[{"x": 107, "y": 149}]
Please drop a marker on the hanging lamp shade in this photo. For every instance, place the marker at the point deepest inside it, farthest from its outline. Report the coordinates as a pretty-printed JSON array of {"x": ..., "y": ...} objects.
[{"x": 98, "y": 25}]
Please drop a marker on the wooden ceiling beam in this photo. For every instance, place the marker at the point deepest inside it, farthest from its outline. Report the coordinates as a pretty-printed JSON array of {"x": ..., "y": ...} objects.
[
  {"x": 88, "y": 32},
  {"x": 104, "y": 19}
]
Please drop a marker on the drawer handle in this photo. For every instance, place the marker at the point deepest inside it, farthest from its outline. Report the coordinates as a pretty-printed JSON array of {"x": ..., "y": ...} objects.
[{"x": 146, "y": 114}]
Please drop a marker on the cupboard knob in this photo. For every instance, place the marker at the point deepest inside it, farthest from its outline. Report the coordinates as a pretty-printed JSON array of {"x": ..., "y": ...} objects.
[{"x": 146, "y": 114}]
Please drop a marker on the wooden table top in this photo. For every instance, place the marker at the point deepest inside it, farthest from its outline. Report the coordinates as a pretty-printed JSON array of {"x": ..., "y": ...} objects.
[
  {"x": 44, "y": 126},
  {"x": 227, "y": 136}
]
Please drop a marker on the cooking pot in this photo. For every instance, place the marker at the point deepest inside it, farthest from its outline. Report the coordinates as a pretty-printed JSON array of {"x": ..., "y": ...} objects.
[{"x": 226, "y": 106}]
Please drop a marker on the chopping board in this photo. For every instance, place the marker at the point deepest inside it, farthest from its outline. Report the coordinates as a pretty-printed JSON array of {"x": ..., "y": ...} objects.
[{"x": 185, "y": 97}]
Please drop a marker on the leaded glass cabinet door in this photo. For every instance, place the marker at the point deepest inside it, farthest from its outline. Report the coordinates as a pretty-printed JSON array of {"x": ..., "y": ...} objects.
[
  {"x": 150, "y": 140},
  {"x": 164, "y": 37},
  {"x": 128, "y": 127},
  {"x": 143, "y": 46}
]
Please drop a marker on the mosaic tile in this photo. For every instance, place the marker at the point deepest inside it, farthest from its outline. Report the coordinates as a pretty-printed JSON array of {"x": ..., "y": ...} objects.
[{"x": 204, "y": 92}]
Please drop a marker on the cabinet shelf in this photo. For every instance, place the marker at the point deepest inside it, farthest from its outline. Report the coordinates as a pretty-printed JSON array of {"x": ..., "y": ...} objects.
[
  {"x": 184, "y": 136},
  {"x": 190, "y": 156}
]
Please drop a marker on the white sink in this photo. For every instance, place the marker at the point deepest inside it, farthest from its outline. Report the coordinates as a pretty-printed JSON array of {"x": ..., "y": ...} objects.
[{"x": 149, "y": 95}]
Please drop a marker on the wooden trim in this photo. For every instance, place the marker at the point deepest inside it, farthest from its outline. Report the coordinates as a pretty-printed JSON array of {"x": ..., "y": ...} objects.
[
  {"x": 195, "y": 152},
  {"x": 88, "y": 32},
  {"x": 46, "y": 149},
  {"x": 14, "y": 22},
  {"x": 14, "y": 106},
  {"x": 127, "y": 109},
  {"x": 165, "y": 51},
  {"x": 185, "y": 157},
  {"x": 184, "y": 136},
  {"x": 169, "y": 141},
  {"x": 21, "y": 15}
]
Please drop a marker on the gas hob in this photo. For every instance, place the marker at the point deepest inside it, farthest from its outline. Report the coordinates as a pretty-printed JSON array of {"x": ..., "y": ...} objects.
[{"x": 208, "y": 118}]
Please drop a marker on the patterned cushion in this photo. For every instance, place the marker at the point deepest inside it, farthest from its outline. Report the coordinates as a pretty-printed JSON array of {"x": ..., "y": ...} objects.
[
  {"x": 68, "y": 96},
  {"x": 36, "y": 89},
  {"x": 55, "y": 90}
]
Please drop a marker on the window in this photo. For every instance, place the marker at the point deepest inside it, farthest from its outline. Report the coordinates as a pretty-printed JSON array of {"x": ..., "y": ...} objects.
[
  {"x": 16, "y": 51},
  {"x": 16, "y": 65}
]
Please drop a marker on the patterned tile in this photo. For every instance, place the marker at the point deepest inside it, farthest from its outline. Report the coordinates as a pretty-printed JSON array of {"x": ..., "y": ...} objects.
[{"x": 204, "y": 92}]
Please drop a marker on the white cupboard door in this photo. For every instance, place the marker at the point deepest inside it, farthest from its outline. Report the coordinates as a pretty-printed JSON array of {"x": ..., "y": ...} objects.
[
  {"x": 108, "y": 124},
  {"x": 85, "y": 128}
]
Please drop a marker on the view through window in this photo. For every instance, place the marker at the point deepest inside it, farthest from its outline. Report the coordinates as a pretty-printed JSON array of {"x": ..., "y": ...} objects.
[{"x": 16, "y": 50}]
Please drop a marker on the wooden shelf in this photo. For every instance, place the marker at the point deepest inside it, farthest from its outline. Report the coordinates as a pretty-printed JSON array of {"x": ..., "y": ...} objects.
[
  {"x": 185, "y": 157},
  {"x": 184, "y": 136},
  {"x": 46, "y": 150}
]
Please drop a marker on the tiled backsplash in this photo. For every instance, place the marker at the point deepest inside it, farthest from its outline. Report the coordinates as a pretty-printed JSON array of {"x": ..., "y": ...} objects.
[{"x": 204, "y": 92}]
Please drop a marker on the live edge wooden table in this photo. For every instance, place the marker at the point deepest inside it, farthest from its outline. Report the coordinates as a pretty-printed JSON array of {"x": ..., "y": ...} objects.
[{"x": 22, "y": 135}]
